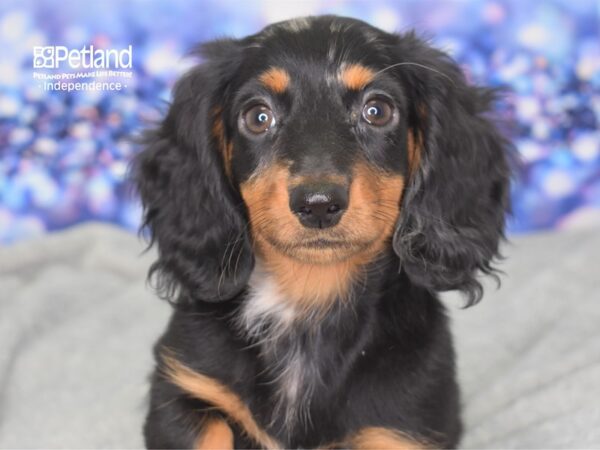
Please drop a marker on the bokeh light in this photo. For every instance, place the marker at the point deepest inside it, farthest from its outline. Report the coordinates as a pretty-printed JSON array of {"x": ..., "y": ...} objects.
[{"x": 64, "y": 156}]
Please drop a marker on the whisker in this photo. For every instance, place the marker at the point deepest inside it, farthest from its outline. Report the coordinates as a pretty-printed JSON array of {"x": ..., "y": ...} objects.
[{"x": 417, "y": 65}]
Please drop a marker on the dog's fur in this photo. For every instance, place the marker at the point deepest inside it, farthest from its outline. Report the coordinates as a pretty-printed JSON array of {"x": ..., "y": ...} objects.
[{"x": 301, "y": 337}]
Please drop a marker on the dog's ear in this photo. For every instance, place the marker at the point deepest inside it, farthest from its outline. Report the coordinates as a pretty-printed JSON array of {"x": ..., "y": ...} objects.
[
  {"x": 193, "y": 212},
  {"x": 454, "y": 206}
]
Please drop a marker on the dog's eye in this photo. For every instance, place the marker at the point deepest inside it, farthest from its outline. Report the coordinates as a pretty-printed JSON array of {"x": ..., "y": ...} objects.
[
  {"x": 259, "y": 119},
  {"x": 377, "y": 112}
]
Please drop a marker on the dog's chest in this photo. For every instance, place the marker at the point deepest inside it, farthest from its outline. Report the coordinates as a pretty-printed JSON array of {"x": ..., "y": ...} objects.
[{"x": 271, "y": 323}]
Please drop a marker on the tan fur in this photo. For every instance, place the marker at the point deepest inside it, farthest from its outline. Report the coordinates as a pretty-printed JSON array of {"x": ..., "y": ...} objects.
[
  {"x": 226, "y": 148},
  {"x": 379, "y": 438},
  {"x": 216, "y": 393},
  {"x": 275, "y": 79},
  {"x": 415, "y": 146},
  {"x": 215, "y": 435},
  {"x": 313, "y": 278},
  {"x": 356, "y": 76}
]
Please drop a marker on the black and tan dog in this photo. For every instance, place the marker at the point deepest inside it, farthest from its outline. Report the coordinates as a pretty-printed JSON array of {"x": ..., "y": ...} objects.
[{"x": 311, "y": 189}]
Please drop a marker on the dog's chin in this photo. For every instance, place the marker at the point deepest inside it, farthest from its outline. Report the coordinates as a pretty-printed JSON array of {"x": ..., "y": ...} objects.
[{"x": 320, "y": 250}]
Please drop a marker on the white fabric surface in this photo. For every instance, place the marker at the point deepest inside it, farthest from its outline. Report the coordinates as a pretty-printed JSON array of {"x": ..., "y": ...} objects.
[{"x": 77, "y": 325}]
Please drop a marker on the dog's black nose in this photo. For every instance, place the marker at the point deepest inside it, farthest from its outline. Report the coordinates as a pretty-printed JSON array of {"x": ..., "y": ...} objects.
[{"x": 319, "y": 205}]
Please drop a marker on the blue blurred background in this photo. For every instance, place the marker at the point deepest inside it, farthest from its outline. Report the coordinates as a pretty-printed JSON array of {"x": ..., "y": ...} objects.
[{"x": 64, "y": 156}]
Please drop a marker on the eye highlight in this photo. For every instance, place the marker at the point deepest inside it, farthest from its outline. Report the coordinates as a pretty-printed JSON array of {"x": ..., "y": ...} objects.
[
  {"x": 377, "y": 112},
  {"x": 258, "y": 119}
]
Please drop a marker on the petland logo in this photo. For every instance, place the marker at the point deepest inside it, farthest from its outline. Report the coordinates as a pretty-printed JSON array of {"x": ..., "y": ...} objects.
[
  {"x": 57, "y": 68},
  {"x": 56, "y": 57}
]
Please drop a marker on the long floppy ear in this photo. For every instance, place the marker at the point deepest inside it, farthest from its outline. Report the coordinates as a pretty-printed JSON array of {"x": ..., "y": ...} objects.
[
  {"x": 454, "y": 207},
  {"x": 192, "y": 210}
]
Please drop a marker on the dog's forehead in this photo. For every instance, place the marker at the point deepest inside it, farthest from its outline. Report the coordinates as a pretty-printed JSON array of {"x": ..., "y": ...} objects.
[
  {"x": 320, "y": 27},
  {"x": 331, "y": 43}
]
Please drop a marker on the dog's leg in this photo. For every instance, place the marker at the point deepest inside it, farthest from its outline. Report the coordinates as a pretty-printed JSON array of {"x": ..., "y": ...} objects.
[
  {"x": 173, "y": 421},
  {"x": 218, "y": 397},
  {"x": 216, "y": 435},
  {"x": 381, "y": 438}
]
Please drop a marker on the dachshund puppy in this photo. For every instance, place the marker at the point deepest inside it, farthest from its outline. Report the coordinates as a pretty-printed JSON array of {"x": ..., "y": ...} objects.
[{"x": 311, "y": 190}]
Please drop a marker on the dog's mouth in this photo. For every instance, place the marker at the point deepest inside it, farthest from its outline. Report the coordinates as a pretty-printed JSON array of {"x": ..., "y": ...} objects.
[
  {"x": 323, "y": 243},
  {"x": 319, "y": 250}
]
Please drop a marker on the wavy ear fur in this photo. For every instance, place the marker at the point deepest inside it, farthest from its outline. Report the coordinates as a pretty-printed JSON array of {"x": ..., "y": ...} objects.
[
  {"x": 453, "y": 211},
  {"x": 192, "y": 211}
]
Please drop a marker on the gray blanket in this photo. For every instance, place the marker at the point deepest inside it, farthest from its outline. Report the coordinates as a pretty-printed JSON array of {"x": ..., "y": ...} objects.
[{"x": 77, "y": 324}]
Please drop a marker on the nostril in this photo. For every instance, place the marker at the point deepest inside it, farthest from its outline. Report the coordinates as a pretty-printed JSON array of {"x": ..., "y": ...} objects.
[
  {"x": 304, "y": 210},
  {"x": 333, "y": 209}
]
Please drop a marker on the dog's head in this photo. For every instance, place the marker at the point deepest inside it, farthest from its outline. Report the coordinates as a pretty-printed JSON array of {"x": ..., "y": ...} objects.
[{"x": 314, "y": 146}]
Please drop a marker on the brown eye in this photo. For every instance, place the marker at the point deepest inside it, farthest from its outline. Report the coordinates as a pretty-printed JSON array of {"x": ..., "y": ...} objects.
[
  {"x": 259, "y": 119},
  {"x": 377, "y": 112}
]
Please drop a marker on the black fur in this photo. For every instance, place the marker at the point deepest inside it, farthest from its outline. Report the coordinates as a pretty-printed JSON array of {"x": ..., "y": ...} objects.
[
  {"x": 384, "y": 358},
  {"x": 196, "y": 217},
  {"x": 454, "y": 212}
]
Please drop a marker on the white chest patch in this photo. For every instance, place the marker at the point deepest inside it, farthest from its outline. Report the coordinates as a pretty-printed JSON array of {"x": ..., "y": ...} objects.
[
  {"x": 269, "y": 319},
  {"x": 266, "y": 314}
]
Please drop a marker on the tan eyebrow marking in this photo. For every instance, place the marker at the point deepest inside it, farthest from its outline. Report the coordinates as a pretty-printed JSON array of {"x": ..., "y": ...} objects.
[
  {"x": 356, "y": 76},
  {"x": 276, "y": 79}
]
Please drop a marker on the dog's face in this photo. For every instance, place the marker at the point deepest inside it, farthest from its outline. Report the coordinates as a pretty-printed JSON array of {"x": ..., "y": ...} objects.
[{"x": 319, "y": 143}]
